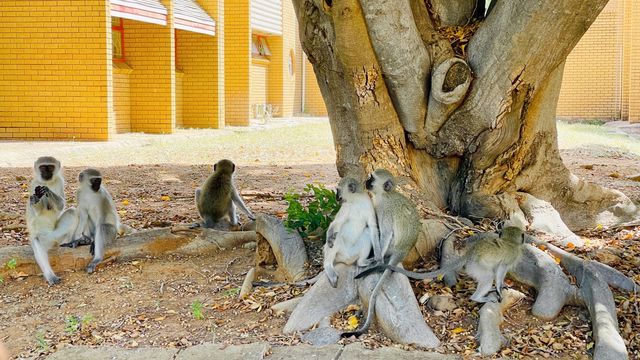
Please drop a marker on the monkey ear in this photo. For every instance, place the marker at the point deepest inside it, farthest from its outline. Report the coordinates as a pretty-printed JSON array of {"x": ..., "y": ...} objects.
[
  {"x": 215, "y": 166},
  {"x": 233, "y": 169},
  {"x": 353, "y": 187},
  {"x": 387, "y": 185}
]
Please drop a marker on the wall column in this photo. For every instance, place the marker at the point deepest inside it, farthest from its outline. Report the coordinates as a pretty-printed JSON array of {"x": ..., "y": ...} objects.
[{"x": 237, "y": 59}]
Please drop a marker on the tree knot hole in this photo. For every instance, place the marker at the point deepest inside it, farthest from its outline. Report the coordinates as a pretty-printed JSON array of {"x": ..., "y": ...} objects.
[{"x": 457, "y": 75}]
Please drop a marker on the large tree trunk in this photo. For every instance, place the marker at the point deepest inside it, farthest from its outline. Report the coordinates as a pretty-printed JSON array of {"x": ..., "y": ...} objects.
[{"x": 470, "y": 133}]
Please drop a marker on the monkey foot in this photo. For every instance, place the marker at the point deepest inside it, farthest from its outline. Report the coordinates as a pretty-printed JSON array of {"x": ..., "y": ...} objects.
[{"x": 53, "y": 280}]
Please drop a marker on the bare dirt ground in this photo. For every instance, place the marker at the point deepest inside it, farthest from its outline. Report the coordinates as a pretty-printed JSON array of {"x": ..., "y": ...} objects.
[{"x": 151, "y": 301}]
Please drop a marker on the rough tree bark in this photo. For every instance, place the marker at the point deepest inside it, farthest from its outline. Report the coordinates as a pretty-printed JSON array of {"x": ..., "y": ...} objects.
[
  {"x": 468, "y": 132},
  {"x": 474, "y": 135}
]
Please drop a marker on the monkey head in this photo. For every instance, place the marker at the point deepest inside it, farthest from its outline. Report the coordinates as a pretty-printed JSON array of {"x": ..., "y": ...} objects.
[
  {"x": 512, "y": 233},
  {"x": 346, "y": 187},
  {"x": 224, "y": 166},
  {"x": 91, "y": 178},
  {"x": 46, "y": 167},
  {"x": 380, "y": 181}
]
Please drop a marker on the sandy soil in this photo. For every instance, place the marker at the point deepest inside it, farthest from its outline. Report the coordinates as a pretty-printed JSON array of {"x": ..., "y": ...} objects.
[{"x": 150, "y": 301}]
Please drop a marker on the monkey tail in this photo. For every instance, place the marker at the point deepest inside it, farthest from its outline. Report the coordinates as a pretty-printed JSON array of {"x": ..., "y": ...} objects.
[
  {"x": 371, "y": 270},
  {"x": 370, "y": 309},
  {"x": 457, "y": 264}
]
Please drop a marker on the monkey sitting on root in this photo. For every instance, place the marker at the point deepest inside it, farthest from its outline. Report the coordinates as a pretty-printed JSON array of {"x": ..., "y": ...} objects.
[
  {"x": 48, "y": 225},
  {"x": 218, "y": 197},
  {"x": 98, "y": 220},
  {"x": 353, "y": 232}
]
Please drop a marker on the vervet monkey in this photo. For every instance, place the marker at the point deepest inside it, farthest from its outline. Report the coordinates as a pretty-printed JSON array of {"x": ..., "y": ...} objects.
[
  {"x": 399, "y": 226},
  {"x": 48, "y": 225},
  {"x": 98, "y": 218},
  {"x": 218, "y": 196},
  {"x": 487, "y": 260},
  {"x": 353, "y": 232}
]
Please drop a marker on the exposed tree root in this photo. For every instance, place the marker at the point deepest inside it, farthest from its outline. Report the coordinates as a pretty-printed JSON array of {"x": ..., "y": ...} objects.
[
  {"x": 539, "y": 270},
  {"x": 554, "y": 290},
  {"x": 287, "y": 247},
  {"x": 592, "y": 291},
  {"x": 154, "y": 242},
  {"x": 491, "y": 316},
  {"x": 543, "y": 217},
  {"x": 397, "y": 311}
]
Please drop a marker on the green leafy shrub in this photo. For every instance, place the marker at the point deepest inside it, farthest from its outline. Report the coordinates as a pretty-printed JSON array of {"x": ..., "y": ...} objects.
[{"x": 314, "y": 219}]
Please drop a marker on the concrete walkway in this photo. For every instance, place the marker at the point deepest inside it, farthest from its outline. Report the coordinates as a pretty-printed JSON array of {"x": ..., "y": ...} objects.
[
  {"x": 246, "y": 352},
  {"x": 624, "y": 127}
]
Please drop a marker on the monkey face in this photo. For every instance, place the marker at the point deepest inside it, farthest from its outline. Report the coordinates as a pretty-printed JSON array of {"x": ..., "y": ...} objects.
[
  {"x": 95, "y": 183},
  {"x": 46, "y": 171},
  {"x": 369, "y": 183}
]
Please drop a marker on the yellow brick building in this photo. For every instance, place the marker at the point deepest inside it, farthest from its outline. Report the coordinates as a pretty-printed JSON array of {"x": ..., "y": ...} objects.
[
  {"x": 602, "y": 72},
  {"x": 86, "y": 70}
]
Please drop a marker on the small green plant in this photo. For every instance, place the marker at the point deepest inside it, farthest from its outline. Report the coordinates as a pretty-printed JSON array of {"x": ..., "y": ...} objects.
[
  {"x": 11, "y": 264},
  {"x": 1, "y": 280},
  {"x": 314, "y": 219},
  {"x": 75, "y": 323},
  {"x": 43, "y": 344},
  {"x": 196, "y": 310},
  {"x": 231, "y": 292}
]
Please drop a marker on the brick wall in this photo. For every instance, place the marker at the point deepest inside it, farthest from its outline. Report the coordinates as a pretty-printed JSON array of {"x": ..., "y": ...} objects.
[
  {"x": 313, "y": 101},
  {"x": 180, "y": 100},
  {"x": 259, "y": 80},
  {"x": 592, "y": 83},
  {"x": 237, "y": 41},
  {"x": 55, "y": 70},
  {"x": 289, "y": 73},
  {"x": 198, "y": 61},
  {"x": 634, "y": 63},
  {"x": 150, "y": 52},
  {"x": 121, "y": 97}
]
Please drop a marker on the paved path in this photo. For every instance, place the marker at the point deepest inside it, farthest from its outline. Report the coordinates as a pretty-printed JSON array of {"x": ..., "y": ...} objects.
[{"x": 246, "y": 352}]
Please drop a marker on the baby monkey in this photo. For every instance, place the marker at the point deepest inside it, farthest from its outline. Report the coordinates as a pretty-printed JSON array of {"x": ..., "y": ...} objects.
[
  {"x": 486, "y": 260},
  {"x": 353, "y": 232}
]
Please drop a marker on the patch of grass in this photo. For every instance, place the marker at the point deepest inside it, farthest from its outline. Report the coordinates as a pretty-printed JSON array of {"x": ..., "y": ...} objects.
[
  {"x": 75, "y": 323},
  {"x": 196, "y": 310},
  {"x": 43, "y": 344},
  {"x": 231, "y": 292},
  {"x": 584, "y": 135},
  {"x": 314, "y": 219},
  {"x": 311, "y": 139},
  {"x": 11, "y": 264}
]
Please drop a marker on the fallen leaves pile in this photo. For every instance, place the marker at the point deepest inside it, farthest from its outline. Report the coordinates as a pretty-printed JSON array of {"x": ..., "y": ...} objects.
[{"x": 459, "y": 36}]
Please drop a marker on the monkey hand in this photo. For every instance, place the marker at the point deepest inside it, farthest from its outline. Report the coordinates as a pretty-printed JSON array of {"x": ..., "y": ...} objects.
[
  {"x": 331, "y": 237},
  {"x": 33, "y": 199},
  {"x": 41, "y": 191},
  {"x": 333, "y": 278}
]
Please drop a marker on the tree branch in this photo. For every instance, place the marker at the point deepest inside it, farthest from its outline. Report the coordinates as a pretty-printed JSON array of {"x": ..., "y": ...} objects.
[
  {"x": 405, "y": 64},
  {"x": 514, "y": 50},
  {"x": 364, "y": 123}
]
